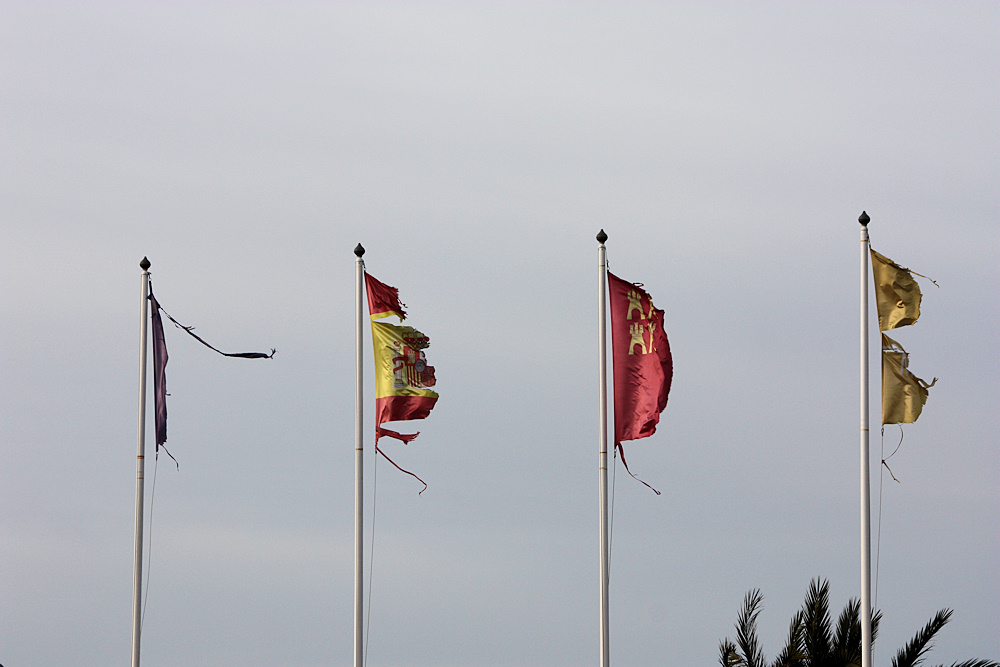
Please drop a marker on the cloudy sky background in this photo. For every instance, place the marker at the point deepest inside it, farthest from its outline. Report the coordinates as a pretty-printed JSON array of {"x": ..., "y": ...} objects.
[{"x": 476, "y": 150}]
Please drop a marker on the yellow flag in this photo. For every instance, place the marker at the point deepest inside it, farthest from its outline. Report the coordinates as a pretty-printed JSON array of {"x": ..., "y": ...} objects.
[
  {"x": 903, "y": 393},
  {"x": 400, "y": 362},
  {"x": 896, "y": 292}
]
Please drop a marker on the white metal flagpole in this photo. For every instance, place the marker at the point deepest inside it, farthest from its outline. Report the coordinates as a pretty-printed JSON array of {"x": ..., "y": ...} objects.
[
  {"x": 359, "y": 462},
  {"x": 140, "y": 468},
  {"x": 866, "y": 521},
  {"x": 603, "y": 439}
]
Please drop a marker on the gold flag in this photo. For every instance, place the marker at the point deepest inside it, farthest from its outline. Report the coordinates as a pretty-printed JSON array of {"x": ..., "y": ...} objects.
[
  {"x": 903, "y": 393},
  {"x": 896, "y": 292}
]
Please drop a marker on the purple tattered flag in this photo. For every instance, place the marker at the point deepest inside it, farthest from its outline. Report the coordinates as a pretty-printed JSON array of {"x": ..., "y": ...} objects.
[
  {"x": 160, "y": 358},
  {"x": 159, "y": 374}
]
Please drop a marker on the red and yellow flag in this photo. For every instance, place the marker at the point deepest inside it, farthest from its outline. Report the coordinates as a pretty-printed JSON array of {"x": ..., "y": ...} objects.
[
  {"x": 402, "y": 376},
  {"x": 383, "y": 300},
  {"x": 643, "y": 367}
]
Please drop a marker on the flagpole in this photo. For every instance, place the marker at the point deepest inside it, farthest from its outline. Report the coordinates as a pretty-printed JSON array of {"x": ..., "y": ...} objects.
[
  {"x": 866, "y": 566},
  {"x": 140, "y": 468},
  {"x": 359, "y": 462},
  {"x": 603, "y": 439}
]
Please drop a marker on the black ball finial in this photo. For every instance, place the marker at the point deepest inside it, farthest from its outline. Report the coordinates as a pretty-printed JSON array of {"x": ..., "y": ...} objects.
[
  {"x": 359, "y": 251},
  {"x": 601, "y": 236},
  {"x": 864, "y": 219},
  {"x": 144, "y": 264}
]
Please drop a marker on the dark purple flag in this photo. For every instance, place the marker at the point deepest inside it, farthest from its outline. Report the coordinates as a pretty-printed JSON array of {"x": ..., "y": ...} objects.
[
  {"x": 160, "y": 365},
  {"x": 159, "y": 374}
]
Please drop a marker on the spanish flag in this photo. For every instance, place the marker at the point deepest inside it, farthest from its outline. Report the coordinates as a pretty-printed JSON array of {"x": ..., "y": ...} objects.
[{"x": 402, "y": 376}]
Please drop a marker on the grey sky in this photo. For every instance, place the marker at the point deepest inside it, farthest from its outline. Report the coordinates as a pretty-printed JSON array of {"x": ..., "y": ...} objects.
[{"x": 475, "y": 150}]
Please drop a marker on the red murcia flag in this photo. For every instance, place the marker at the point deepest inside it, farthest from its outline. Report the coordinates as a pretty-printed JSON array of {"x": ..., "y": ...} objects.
[{"x": 643, "y": 367}]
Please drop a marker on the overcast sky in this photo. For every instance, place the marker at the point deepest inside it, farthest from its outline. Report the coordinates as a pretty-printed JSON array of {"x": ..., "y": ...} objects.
[{"x": 475, "y": 150}]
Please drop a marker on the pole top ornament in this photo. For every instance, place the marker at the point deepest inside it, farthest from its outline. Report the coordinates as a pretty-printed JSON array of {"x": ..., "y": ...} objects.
[
  {"x": 359, "y": 251},
  {"x": 601, "y": 236},
  {"x": 864, "y": 219}
]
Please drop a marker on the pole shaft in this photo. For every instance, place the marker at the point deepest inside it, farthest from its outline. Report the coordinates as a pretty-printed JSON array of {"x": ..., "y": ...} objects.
[
  {"x": 358, "y": 470},
  {"x": 866, "y": 568},
  {"x": 139, "y": 474},
  {"x": 603, "y": 447}
]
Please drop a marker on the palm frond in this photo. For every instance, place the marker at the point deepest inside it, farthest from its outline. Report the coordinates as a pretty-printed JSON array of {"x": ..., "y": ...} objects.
[
  {"x": 913, "y": 653},
  {"x": 728, "y": 656},
  {"x": 847, "y": 638},
  {"x": 816, "y": 622},
  {"x": 812, "y": 643},
  {"x": 793, "y": 655},
  {"x": 876, "y": 617},
  {"x": 746, "y": 630}
]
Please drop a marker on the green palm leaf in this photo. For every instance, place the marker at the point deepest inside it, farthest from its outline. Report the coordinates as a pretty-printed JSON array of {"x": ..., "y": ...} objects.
[
  {"x": 728, "y": 655},
  {"x": 913, "y": 653},
  {"x": 813, "y": 643},
  {"x": 746, "y": 630},
  {"x": 816, "y": 623}
]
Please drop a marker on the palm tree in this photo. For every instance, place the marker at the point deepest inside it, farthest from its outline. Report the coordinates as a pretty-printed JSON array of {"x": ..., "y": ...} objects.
[{"x": 813, "y": 641}]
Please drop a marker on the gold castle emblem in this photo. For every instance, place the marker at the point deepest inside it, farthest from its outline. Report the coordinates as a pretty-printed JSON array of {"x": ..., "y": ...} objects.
[{"x": 637, "y": 330}]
